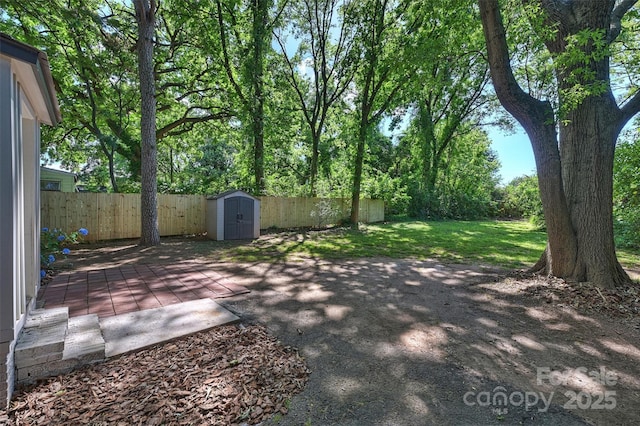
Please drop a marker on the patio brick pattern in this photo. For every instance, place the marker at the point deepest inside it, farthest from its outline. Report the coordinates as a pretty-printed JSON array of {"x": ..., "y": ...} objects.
[{"x": 131, "y": 288}]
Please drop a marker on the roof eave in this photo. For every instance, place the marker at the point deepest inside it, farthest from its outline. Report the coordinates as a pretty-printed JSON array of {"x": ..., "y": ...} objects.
[{"x": 41, "y": 70}]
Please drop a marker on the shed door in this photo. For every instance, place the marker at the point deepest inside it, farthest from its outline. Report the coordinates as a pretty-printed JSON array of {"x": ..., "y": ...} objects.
[{"x": 238, "y": 218}]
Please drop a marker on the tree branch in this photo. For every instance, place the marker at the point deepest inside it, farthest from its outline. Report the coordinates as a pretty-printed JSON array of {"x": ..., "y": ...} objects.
[
  {"x": 225, "y": 53},
  {"x": 616, "y": 18},
  {"x": 164, "y": 131},
  {"x": 630, "y": 108},
  {"x": 529, "y": 111},
  {"x": 293, "y": 81}
]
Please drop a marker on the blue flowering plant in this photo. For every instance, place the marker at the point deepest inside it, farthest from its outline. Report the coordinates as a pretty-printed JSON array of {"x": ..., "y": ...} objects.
[{"x": 55, "y": 242}]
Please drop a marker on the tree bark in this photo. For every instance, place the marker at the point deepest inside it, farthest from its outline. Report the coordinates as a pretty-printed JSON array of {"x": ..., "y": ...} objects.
[
  {"x": 145, "y": 14},
  {"x": 315, "y": 155},
  {"x": 259, "y": 35},
  {"x": 575, "y": 168},
  {"x": 357, "y": 170},
  {"x": 587, "y": 149}
]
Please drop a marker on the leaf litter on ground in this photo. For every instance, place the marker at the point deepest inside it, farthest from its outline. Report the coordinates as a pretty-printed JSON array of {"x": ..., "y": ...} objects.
[
  {"x": 234, "y": 374},
  {"x": 621, "y": 302}
]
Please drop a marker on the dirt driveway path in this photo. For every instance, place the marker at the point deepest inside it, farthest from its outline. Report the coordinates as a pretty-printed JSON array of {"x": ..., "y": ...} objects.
[{"x": 400, "y": 342}]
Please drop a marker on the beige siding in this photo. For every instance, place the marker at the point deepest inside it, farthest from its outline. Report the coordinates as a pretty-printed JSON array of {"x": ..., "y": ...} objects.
[{"x": 116, "y": 216}]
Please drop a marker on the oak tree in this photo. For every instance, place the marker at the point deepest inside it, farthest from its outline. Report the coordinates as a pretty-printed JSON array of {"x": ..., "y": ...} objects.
[{"x": 574, "y": 143}]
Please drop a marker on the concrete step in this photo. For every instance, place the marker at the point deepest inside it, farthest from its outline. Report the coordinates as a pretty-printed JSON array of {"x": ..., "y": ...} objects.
[
  {"x": 84, "y": 340},
  {"x": 42, "y": 318},
  {"x": 42, "y": 337},
  {"x": 53, "y": 344},
  {"x": 136, "y": 330}
]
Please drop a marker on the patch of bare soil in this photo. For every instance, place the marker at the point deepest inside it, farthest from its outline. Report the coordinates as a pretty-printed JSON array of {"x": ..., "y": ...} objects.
[{"x": 229, "y": 375}]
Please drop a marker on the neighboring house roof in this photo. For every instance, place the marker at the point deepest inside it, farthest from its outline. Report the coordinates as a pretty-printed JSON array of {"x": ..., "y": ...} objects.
[
  {"x": 39, "y": 63},
  {"x": 57, "y": 171}
]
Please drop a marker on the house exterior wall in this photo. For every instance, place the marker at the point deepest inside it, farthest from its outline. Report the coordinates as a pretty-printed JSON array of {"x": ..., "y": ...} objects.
[
  {"x": 67, "y": 180},
  {"x": 27, "y": 99},
  {"x": 31, "y": 177},
  {"x": 14, "y": 272},
  {"x": 7, "y": 320}
]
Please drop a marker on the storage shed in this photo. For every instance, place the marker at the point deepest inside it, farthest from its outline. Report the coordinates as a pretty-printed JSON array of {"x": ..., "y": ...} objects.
[{"x": 233, "y": 215}]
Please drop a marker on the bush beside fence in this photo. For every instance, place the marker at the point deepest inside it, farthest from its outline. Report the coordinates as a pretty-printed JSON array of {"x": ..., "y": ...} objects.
[{"x": 117, "y": 216}]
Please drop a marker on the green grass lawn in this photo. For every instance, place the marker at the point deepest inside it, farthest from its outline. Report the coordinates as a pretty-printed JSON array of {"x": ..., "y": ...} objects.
[{"x": 511, "y": 244}]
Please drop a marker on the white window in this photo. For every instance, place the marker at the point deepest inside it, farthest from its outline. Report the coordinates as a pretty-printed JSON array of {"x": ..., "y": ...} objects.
[{"x": 50, "y": 185}]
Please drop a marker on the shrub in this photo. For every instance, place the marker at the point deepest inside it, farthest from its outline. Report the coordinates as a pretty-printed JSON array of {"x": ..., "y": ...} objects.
[
  {"x": 383, "y": 187},
  {"x": 54, "y": 243},
  {"x": 521, "y": 199},
  {"x": 626, "y": 194}
]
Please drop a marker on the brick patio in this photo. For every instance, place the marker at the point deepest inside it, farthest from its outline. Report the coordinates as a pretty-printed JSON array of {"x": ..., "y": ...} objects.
[{"x": 130, "y": 288}]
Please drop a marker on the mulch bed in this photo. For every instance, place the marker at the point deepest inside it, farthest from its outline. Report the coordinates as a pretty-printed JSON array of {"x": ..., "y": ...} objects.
[
  {"x": 229, "y": 375},
  {"x": 622, "y": 302}
]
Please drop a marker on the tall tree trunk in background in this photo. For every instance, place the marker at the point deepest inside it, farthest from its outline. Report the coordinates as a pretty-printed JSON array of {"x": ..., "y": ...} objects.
[
  {"x": 313, "y": 170},
  {"x": 575, "y": 171},
  {"x": 109, "y": 152},
  {"x": 259, "y": 35},
  {"x": 363, "y": 129},
  {"x": 381, "y": 79},
  {"x": 145, "y": 15}
]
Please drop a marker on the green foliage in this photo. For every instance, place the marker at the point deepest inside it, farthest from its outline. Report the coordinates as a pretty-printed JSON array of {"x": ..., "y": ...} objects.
[
  {"x": 581, "y": 81},
  {"x": 55, "y": 242},
  {"x": 377, "y": 66},
  {"x": 323, "y": 36},
  {"x": 390, "y": 189},
  {"x": 626, "y": 194},
  {"x": 465, "y": 185},
  {"x": 521, "y": 200}
]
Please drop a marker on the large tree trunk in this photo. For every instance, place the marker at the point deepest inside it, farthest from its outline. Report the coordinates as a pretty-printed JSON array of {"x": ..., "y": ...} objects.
[
  {"x": 575, "y": 172},
  {"x": 587, "y": 145},
  {"x": 259, "y": 35},
  {"x": 145, "y": 13}
]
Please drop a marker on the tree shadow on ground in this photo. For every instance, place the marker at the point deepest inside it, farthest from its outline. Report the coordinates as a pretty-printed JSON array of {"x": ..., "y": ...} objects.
[{"x": 422, "y": 342}]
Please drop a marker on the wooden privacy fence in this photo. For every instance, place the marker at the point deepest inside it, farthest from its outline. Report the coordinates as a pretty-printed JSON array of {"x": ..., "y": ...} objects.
[
  {"x": 295, "y": 212},
  {"x": 117, "y": 216}
]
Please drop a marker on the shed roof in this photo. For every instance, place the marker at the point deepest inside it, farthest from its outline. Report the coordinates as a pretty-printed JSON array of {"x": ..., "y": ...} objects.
[
  {"x": 230, "y": 192},
  {"x": 39, "y": 63}
]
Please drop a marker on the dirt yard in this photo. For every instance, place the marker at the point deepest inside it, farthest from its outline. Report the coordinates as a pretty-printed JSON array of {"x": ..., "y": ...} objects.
[{"x": 403, "y": 342}]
